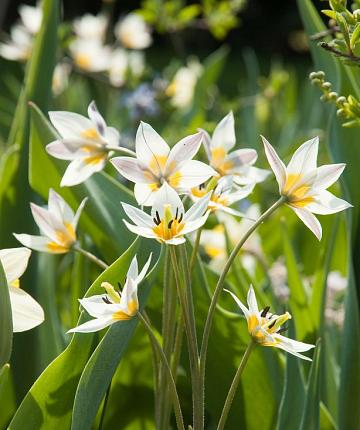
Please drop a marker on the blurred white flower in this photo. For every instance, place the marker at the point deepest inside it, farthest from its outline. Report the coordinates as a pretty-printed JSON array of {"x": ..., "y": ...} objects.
[
  {"x": 91, "y": 27},
  {"x": 265, "y": 328},
  {"x": 83, "y": 141},
  {"x": 335, "y": 292},
  {"x": 156, "y": 163},
  {"x": 60, "y": 78},
  {"x": 304, "y": 184},
  {"x": 57, "y": 226},
  {"x": 132, "y": 32},
  {"x": 182, "y": 87},
  {"x": 168, "y": 222},
  {"x": 238, "y": 163},
  {"x": 136, "y": 63},
  {"x": 26, "y": 312},
  {"x": 90, "y": 55},
  {"x": 278, "y": 277},
  {"x": 118, "y": 67},
  {"x": 114, "y": 306},
  {"x": 31, "y": 17}
]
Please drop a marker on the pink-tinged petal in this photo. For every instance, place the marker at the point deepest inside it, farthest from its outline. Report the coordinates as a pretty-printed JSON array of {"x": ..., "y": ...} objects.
[
  {"x": 14, "y": 262},
  {"x": 240, "y": 194},
  {"x": 97, "y": 118},
  {"x": 194, "y": 225},
  {"x": 140, "y": 231},
  {"x": 26, "y": 311},
  {"x": 292, "y": 346},
  {"x": 61, "y": 151},
  {"x": 151, "y": 148},
  {"x": 91, "y": 326},
  {"x": 69, "y": 125},
  {"x": 39, "y": 243},
  {"x": 198, "y": 208},
  {"x": 166, "y": 196},
  {"x": 241, "y": 157},
  {"x": 80, "y": 170},
  {"x": 309, "y": 220},
  {"x": 326, "y": 175},
  {"x": 190, "y": 174},
  {"x": 139, "y": 217},
  {"x": 184, "y": 150},
  {"x": 206, "y": 142},
  {"x": 47, "y": 223},
  {"x": 304, "y": 158},
  {"x": 145, "y": 194},
  {"x": 112, "y": 136},
  {"x": 59, "y": 208},
  {"x": 326, "y": 203},
  {"x": 224, "y": 133},
  {"x": 76, "y": 218},
  {"x": 252, "y": 302},
  {"x": 230, "y": 211},
  {"x": 133, "y": 170},
  {"x": 276, "y": 164},
  {"x": 244, "y": 309},
  {"x": 175, "y": 241}
]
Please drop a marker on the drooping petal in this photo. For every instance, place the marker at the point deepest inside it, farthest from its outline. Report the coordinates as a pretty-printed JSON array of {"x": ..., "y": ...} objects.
[
  {"x": 326, "y": 203},
  {"x": 276, "y": 164},
  {"x": 26, "y": 311},
  {"x": 244, "y": 309},
  {"x": 138, "y": 216},
  {"x": 292, "y": 346},
  {"x": 38, "y": 243},
  {"x": 80, "y": 170},
  {"x": 326, "y": 175},
  {"x": 309, "y": 220},
  {"x": 184, "y": 150},
  {"x": 59, "y": 208},
  {"x": 14, "y": 262},
  {"x": 190, "y": 174},
  {"x": 166, "y": 197},
  {"x": 97, "y": 118},
  {"x": 304, "y": 158},
  {"x": 151, "y": 148},
  {"x": 141, "y": 231},
  {"x": 145, "y": 193},
  {"x": 133, "y": 170},
  {"x": 252, "y": 302},
  {"x": 198, "y": 208},
  {"x": 69, "y": 125},
  {"x": 224, "y": 133},
  {"x": 96, "y": 324},
  {"x": 76, "y": 218}
]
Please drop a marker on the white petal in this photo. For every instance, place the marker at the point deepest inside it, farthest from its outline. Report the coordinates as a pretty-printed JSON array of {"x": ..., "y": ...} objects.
[
  {"x": 96, "y": 307},
  {"x": 240, "y": 194},
  {"x": 190, "y": 174},
  {"x": 133, "y": 270},
  {"x": 166, "y": 196},
  {"x": 251, "y": 300},
  {"x": 144, "y": 270},
  {"x": 141, "y": 231},
  {"x": 79, "y": 170},
  {"x": 138, "y": 216},
  {"x": 276, "y": 164},
  {"x": 224, "y": 133},
  {"x": 184, "y": 150},
  {"x": 326, "y": 175},
  {"x": 292, "y": 346},
  {"x": 206, "y": 142},
  {"x": 150, "y": 146},
  {"x": 244, "y": 309},
  {"x": 326, "y": 203},
  {"x": 242, "y": 157},
  {"x": 59, "y": 208},
  {"x": 309, "y": 220},
  {"x": 14, "y": 262},
  {"x": 38, "y": 243},
  {"x": 145, "y": 194},
  {"x": 97, "y": 118},
  {"x": 112, "y": 136},
  {"x": 26, "y": 312},
  {"x": 133, "y": 170},
  {"x": 60, "y": 150},
  {"x": 197, "y": 209},
  {"x": 304, "y": 158},
  {"x": 48, "y": 224},
  {"x": 69, "y": 125},
  {"x": 129, "y": 294},
  {"x": 96, "y": 324},
  {"x": 76, "y": 218},
  {"x": 194, "y": 225},
  {"x": 175, "y": 241}
]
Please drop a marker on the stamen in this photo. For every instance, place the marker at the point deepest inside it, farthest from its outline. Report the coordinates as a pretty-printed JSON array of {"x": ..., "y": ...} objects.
[
  {"x": 272, "y": 324},
  {"x": 106, "y": 300},
  {"x": 265, "y": 311},
  {"x": 158, "y": 217},
  {"x": 201, "y": 186},
  {"x": 176, "y": 213},
  {"x": 170, "y": 224},
  {"x": 181, "y": 217},
  {"x": 156, "y": 221},
  {"x": 282, "y": 330}
]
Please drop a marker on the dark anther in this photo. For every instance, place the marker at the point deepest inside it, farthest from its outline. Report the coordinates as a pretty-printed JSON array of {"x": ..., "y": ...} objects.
[
  {"x": 265, "y": 311},
  {"x": 282, "y": 330},
  {"x": 201, "y": 186},
  {"x": 272, "y": 324},
  {"x": 170, "y": 224},
  {"x": 181, "y": 217},
  {"x": 158, "y": 217},
  {"x": 156, "y": 221},
  {"x": 176, "y": 213},
  {"x": 106, "y": 300}
]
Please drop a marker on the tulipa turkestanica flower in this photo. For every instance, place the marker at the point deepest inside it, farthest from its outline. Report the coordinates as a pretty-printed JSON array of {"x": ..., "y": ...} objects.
[
  {"x": 26, "y": 311},
  {"x": 57, "y": 225},
  {"x": 132, "y": 32},
  {"x": 168, "y": 222},
  {"x": 305, "y": 185},
  {"x": 115, "y": 305},
  {"x": 265, "y": 329},
  {"x": 156, "y": 163},
  {"x": 238, "y": 163},
  {"x": 83, "y": 141}
]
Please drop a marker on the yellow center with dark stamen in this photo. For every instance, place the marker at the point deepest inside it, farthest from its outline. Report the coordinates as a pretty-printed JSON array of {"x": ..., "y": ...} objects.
[
  {"x": 258, "y": 330},
  {"x": 296, "y": 191},
  {"x": 130, "y": 312},
  {"x": 218, "y": 200},
  {"x": 168, "y": 230}
]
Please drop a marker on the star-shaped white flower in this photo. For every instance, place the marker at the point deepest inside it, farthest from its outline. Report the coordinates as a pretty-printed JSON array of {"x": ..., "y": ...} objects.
[
  {"x": 304, "y": 184},
  {"x": 114, "y": 306},
  {"x": 238, "y": 163},
  {"x": 26, "y": 312},
  {"x": 84, "y": 141},
  {"x": 90, "y": 55},
  {"x": 168, "y": 222},
  {"x": 265, "y": 328},
  {"x": 132, "y": 32},
  {"x": 57, "y": 225},
  {"x": 156, "y": 163}
]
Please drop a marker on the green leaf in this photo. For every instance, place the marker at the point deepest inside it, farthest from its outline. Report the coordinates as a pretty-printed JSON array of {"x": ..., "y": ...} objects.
[
  {"x": 6, "y": 327},
  {"x": 7, "y": 396},
  {"x": 101, "y": 366},
  {"x": 48, "y": 404},
  {"x": 355, "y": 35}
]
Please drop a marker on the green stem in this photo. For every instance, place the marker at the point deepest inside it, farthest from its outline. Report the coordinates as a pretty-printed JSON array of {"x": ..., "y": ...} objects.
[
  {"x": 172, "y": 385},
  {"x": 231, "y": 394},
  {"x": 91, "y": 256},
  {"x": 195, "y": 249},
  {"x": 220, "y": 283},
  {"x": 121, "y": 149}
]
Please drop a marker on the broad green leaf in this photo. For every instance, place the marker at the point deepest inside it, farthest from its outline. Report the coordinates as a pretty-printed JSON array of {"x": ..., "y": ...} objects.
[
  {"x": 7, "y": 396},
  {"x": 326, "y": 420},
  {"x": 48, "y": 404},
  {"x": 6, "y": 327},
  {"x": 101, "y": 366}
]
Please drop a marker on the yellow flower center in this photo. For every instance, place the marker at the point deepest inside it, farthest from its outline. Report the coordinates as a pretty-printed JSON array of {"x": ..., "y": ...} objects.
[
  {"x": 258, "y": 329},
  {"x": 83, "y": 61},
  {"x": 124, "y": 316},
  {"x": 169, "y": 227},
  {"x": 64, "y": 240},
  {"x": 157, "y": 164},
  {"x": 174, "y": 179},
  {"x": 296, "y": 191}
]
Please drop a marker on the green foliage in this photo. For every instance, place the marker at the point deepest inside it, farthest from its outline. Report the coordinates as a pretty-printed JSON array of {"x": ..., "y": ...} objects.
[{"x": 6, "y": 329}]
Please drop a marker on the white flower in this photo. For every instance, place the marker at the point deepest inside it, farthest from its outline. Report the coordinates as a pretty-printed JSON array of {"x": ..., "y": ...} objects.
[
  {"x": 31, "y": 17},
  {"x": 265, "y": 328},
  {"x": 19, "y": 47},
  {"x": 156, "y": 163},
  {"x": 57, "y": 225},
  {"x": 26, "y": 312},
  {"x": 118, "y": 68},
  {"x": 114, "y": 306},
  {"x": 132, "y": 32},
  {"x": 168, "y": 222},
  {"x": 238, "y": 163},
  {"x": 60, "y": 78},
  {"x": 90, "y": 55},
  {"x": 84, "y": 141},
  {"x": 91, "y": 27},
  {"x": 182, "y": 87},
  {"x": 223, "y": 195},
  {"x": 304, "y": 185}
]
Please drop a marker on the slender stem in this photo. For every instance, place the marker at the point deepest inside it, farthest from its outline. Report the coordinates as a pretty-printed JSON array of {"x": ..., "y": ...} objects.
[
  {"x": 335, "y": 51},
  {"x": 121, "y": 149},
  {"x": 178, "y": 345},
  {"x": 107, "y": 395},
  {"x": 91, "y": 256},
  {"x": 231, "y": 394},
  {"x": 195, "y": 249},
  {"x": 220, "y": 283},
  {"x": 172, "y": 386}
]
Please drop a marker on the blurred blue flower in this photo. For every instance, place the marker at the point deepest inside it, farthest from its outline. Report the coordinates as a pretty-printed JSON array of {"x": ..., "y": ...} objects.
[{"x": 141, "y": 102}]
